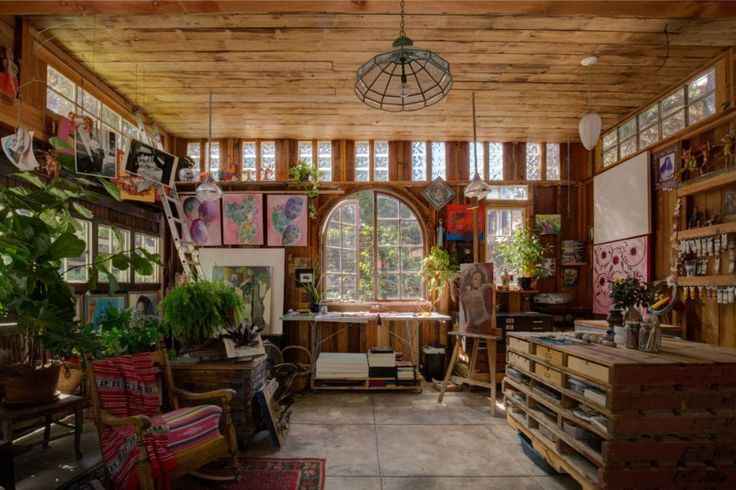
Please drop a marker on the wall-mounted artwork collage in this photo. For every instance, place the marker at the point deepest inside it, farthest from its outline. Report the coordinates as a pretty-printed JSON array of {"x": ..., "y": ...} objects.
[{"x": 275, "y": 220}]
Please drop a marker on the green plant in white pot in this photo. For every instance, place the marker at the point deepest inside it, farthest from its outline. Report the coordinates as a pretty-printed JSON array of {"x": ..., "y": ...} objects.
[{"x": 524, "y": 253}]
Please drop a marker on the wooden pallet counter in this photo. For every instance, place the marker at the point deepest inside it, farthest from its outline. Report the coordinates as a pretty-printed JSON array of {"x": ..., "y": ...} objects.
[{"x": 620, "y": 418}]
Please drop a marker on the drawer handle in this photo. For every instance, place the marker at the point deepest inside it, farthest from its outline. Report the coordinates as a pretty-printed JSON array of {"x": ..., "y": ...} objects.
[
  {"x": 546, "y": 374},
  {"x": 548, "y": 355}
]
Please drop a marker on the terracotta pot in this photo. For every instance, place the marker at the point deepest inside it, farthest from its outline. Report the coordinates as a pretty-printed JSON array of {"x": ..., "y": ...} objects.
[{"x": 32, "y": 387}]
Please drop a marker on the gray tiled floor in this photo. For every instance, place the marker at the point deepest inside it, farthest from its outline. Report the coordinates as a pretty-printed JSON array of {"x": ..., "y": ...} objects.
[{"x": 370, "y": 441}]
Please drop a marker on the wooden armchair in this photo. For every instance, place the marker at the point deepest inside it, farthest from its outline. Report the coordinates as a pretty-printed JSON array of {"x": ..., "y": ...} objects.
[{"x": 194, "y": 452}]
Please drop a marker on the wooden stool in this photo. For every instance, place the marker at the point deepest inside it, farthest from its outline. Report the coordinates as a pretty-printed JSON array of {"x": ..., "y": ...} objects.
[{"x": 490, "y": 342}]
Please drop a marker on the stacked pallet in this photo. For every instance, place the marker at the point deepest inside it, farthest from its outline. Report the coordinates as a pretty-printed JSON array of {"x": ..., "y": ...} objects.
[{"x": 618, "y": 418}]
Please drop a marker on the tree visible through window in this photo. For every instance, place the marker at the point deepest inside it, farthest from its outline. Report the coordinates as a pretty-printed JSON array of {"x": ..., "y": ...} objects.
[{"x": 373, "y": 250}]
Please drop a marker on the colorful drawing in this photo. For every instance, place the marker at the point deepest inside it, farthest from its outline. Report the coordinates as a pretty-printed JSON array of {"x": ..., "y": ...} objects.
[
  {"x": 614, "y": 260},
  {"x": 242, "y": 219},
  {"x": 143, "y": 303},
  {"x": 460, "y": 222},
  {"x": 570, "y": 278},
  {"x": 477, "y": 299},
  {"x": 287, "y": 220},
  {"x": 547, "y": 224},
  {"x": 132, "y": 187},
  {"x": 203, "y": 219},
  {"x": 254, "y": 284},
  {"x": 97, "y": 305}
]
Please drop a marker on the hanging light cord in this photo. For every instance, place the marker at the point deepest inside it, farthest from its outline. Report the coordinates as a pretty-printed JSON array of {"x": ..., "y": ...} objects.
[
  {"x": 401, "y": 32},
  {"x": 475, "y": 141},
  {"x": 667, "y": 53},
  {"x": 209, "y": 138}
]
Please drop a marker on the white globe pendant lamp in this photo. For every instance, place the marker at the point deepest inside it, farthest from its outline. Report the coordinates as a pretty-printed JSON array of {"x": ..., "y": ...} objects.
[{"x": 590, "y": 124}]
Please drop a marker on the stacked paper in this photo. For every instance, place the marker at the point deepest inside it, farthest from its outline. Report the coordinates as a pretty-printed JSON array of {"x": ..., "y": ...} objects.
[{"x": 342, "y": 365}]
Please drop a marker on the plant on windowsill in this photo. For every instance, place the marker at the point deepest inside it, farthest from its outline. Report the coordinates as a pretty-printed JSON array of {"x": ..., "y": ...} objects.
[
  {"x": 308, "y": 175},
  {"x": 312, "y": 289},
  {"x": 438, "y": 269},
  {"x": 524, "y": 253}
]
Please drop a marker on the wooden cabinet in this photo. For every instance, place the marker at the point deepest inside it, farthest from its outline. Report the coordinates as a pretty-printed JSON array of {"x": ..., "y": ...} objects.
[{"x": 618, "y": 418}]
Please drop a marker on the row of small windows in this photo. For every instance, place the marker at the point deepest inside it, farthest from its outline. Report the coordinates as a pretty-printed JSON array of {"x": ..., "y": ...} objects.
[
  {"x": 428, "y": 160},
  {"x": 690, "y": 103}
]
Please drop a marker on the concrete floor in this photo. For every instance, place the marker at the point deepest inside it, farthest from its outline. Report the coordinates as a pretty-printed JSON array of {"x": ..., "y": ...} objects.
[{"x": 370, "y": 441}]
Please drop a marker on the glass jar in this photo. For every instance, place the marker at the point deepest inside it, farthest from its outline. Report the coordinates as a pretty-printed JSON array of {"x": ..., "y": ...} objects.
[
  {"x": 632, "y": 335},
  {"x": 650, "y": 337}
]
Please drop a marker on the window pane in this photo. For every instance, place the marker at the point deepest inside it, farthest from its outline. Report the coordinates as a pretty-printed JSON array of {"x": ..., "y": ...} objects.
[
  {"x": 701, "y": 109},
  {"x": 249, "y": 160},
  {"x": 411, "y": 259},
  {"x": 476, "y": 148},
  {"x": 324, "y": 159},
  {"x": 388, "y": 207},
  {"x": 305, "y": 152},
  {"x": 553, "y": 161},
  {"x": 673, "y": 123},
  {"x": 388, "y": 286},
  {"x": 411, "y": 233},
  {"x": 213, "y": 158},
  {"x": 672, "y": 102},
  {"x": 60, "y": 83},
  {"x": 388, "y": 259},
  {"x": 533, "y": 162},
  {"x": 380, "y": 160},
  {"x": 438, "y": 160},
  {"x": 610, "y": 139},
  {"x": 495, "y": 161},
  {"x": 649, "y": 116},
  {"x": 388, "y": 233},
  {"x": 58, "y": 104},
  {"x": 129, "y": 130},
  {"x": 88, "y": 104},
  {"x": 628, "y": 147},
  {"x": 109, "y": 243},
  {"x": 418, "y": 160},
  {"x": 649, "y": 136},
  {"x": 702, "y": 85},
  {"x": 508, "y": 192},
  {"x": 75, "y": 269},
  {"x": 150, "y": 244},
  {"x": 268, "y": 160},
  {"x": 411, "y": 286},
  {"x": 500, "y": 225},
  {"x": 362, "y": 162},
  {"x": 627, "y": 129},
  {"x": 111, "y": 118},
  {"x": 610, "y": 156}
]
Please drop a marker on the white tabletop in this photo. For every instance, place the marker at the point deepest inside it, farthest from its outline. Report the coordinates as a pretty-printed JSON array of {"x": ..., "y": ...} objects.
[{"x": 363, "y": 316}]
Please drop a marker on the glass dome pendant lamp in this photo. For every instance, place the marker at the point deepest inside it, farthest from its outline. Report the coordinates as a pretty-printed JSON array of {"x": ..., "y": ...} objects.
[
  {"x": 404, "y": 78},
  {"x": 208, "y": 189},
  {"x": 477, "y": 187}
]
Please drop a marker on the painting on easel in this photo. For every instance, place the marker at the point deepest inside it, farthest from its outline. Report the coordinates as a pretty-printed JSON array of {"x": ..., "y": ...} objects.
[{"x": 477, "y": 299}]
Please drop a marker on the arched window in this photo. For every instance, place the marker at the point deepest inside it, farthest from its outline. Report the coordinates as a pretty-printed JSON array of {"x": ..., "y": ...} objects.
[{"x": 373, "y": 250}]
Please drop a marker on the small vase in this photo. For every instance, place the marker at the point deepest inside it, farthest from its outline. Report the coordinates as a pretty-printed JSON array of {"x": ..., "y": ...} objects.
[
  {"x": 314, "y": 307},
  {"x": 632, "y": 335},
  {"x": 650, "y": 336}
]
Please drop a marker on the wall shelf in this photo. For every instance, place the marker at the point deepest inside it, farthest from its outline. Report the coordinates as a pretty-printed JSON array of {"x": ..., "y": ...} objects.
[
  {"x": 707, "y": 182},
  {"x": 707, "y": 231},
  {"x": 573, "y": 264},
  {"x": 719, "y": 280}
]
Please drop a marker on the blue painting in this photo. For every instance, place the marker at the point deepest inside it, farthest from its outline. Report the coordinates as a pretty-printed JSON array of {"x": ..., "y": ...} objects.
[{"x": 97, "y": 305}]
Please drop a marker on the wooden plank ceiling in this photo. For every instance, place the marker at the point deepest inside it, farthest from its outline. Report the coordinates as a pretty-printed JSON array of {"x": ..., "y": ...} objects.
[{"x": 286, "y": 69}]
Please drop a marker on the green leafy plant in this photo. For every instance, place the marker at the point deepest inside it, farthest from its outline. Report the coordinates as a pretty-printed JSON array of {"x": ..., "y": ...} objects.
[
  {"x": 312, "y": 288},
  {"x": 122, "y": 332},
  {"x": 308, "y": 175},
  {"x": 438, "y": 268},
  {"x": 198, "y": 310},
  {"x": 37, "y": 232},
  {"x": 631, "y": 293},
  {"x": 524, "y": 253}
]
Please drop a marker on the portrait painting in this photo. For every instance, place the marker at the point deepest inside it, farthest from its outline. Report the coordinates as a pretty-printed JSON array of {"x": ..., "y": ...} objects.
[
  {"x": 287, "y": 220},
  {"x": 203, "y": 220},
  {"x": 665, "y": 164},
  {"x": 459, "y": 222},
  {"x": 242, "y": 219},
  {"x": 143, "y": 303},
  {"x": 477, "y": 299},
  {"x": 570, "y": 278},
  {"x": 547, "y": 224},
  {"x": 729, "y": 203}
]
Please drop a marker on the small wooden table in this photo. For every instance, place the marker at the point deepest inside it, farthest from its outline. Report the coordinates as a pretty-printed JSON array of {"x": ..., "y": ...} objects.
[
  {"x": 51, "y": 413},
  {"x": 490, "y": 342}
]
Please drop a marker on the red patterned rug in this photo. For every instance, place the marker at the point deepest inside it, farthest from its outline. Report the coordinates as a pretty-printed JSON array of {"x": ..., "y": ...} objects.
[{"x": 255, "y": 473}]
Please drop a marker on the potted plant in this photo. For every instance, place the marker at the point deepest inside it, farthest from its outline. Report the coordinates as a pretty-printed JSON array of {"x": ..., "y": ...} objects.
[
  {"x": 628, "y": 295},
  {"x": 198, "y": 311},
  {"x": 37, "y": 231},
  {"x": 438, "y": 269},
  {"x": 312, "y": 289},
  {"x": 524, "y": 253},
  {"x": 308, "y": 175},
  {"x": 122, "y": 332}
]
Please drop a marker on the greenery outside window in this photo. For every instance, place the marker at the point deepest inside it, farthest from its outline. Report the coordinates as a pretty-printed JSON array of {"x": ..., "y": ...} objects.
[
  {"x": 552, "y": 161},
  {"x": 268, "y": 160},
  {"x": 324, "y": 160},
  {"x": 75, "y": 270},
  {"x": 501, "y": 223},
  {"x": 533, "y": 161},
  {"x": 439, "y": 162},
  {"x": 380, "y": 160},
  {"x": 111, "y": 241}
]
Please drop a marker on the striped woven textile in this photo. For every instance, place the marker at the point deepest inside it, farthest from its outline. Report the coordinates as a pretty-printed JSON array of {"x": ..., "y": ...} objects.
[
  {"x": 191, "y": 427},
  {"x": 127, "y": 386}
]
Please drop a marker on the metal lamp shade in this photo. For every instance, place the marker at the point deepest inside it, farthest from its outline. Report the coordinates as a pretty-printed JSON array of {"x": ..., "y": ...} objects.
[
  {"x": 590, "y": 129},
  {"x": 477, "y": 188},
  {"x": 426, "y": 79}
]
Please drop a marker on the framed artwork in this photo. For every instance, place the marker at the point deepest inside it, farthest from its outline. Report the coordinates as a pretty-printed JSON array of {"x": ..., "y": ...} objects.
[
  {"x": 253, "y": 284},
  {"x": 459, "y": 222},
  {"x": 64, "y": 142},
  {"x": 547, "y": 224},
  {"x": 217, "y": 261},
  {"x": 132, "y": 187},
  {"x": 286, "y": 220},
  {"x": 729, "y": 203},
  {"x": 477, "y": 298},
  {"x": 203, "y": 219},
  {"x": 570, "y": 278},
  {"x": 304, "y": 276},
  {"x": 18, "y": 147},
  {"x": 144, "y": 303},
  {"x": 614, "y": 260},
  {"x": 664, "y": 167},
  {"x": 97, "y": 304},
  {"x": 438, "y": 193},
  {"x": 242, "y": 219},
  {"x": 549, "y": 267},
  {"x": 96, "y": 153},
  {"x": 151, "y": 163}
]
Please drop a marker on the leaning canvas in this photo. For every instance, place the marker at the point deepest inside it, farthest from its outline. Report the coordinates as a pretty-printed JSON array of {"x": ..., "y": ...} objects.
[
  {"x": 203, "y": 220},
  {"x": 253, "y": 284},
  {"x": 242, "y": 219},
  {"x": 477, "y": 299},
  {"x": 287, "y": 223},
  {"x": 151, "y": 163}
]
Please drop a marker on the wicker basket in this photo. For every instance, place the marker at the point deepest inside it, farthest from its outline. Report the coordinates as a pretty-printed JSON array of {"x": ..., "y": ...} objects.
[
  {"x": 70, "y": 377},
  {"x": 298, "y": 373}
]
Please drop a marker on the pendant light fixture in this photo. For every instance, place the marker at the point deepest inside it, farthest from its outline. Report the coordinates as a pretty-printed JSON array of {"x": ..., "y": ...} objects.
[
  {"x": 590, "y": 124},
  {"x": 477, "y": 187},
  {"x": 208, "y": 189},
  {"x": 405, "y": 78}
]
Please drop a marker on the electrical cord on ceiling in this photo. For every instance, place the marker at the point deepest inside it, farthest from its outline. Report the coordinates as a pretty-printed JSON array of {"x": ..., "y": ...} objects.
[{"x": 667, "y": 53}]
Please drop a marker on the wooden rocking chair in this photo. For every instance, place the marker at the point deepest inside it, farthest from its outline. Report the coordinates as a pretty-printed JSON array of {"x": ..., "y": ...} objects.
[{"x": 196, "y": 454}]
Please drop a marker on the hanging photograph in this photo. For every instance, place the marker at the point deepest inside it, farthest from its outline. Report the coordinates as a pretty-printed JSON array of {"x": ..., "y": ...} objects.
[
  {"x": 477, "y": 299},
  {"x": 547, "y": 224},
  {"x": 242, "y": 219},
  {"x": 143, "y": 303},
  {"x": 286, "y": 218},
  {"x": 18, "y": 147},
  {"x": 569, "y": 278},
  {"x": 203, "y": 220},
  {"x": 146, "y": 161},
  {"x": 729, "y": 203},
  {"x": 96, "y": 306},
  {"x": 438, "y": 193},
  {"x": 96, "y": 152},
  {"x": 132, "y": 187},
  {"x": 459, "y": 222},
  {"x": 549, "y": 267},
  {"x": 665, "y": 165},
  {"x": 63, "y": 142}
]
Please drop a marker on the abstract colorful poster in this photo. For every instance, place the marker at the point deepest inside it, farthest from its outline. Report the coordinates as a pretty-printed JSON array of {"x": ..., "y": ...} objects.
[
  {"x": 242, "y": 219},
  {"x": 477, "y": 299},
  {"x": 203, "y": 220},
  {"x": 617, "y": 260},
  {"x": 460, "y": 222},
  {"x": 286, "y": 217}
]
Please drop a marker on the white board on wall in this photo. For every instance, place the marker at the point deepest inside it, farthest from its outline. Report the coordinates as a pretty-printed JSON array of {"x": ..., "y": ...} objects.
[{"x": 622, "y": 202}]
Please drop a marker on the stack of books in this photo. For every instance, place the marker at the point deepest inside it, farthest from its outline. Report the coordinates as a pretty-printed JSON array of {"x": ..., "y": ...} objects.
[
  {"x": 405, "y": 370},
  {"x": 381, "y": 362},
  {"x": 341, "y": 365}
]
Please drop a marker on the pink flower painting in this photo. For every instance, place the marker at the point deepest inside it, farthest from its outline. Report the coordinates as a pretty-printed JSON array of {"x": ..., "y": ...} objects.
[{"x": 614, "y": 260}]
